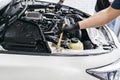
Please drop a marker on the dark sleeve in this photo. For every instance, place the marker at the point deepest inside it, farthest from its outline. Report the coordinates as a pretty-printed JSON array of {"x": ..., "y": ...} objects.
[
  {"x": 116, "y": 4},
  {"x": 101, "y": 4}
]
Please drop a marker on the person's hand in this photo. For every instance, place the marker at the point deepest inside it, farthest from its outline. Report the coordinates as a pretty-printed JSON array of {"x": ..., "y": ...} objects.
[{"x": 71, "y": 27}]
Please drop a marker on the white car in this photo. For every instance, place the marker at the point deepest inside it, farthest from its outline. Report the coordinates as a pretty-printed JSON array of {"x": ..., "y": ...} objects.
[{"x": 32, "y": 49}]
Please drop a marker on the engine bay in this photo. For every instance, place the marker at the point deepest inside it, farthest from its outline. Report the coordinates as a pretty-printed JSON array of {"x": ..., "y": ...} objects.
[{"x": 35, "y": 27}]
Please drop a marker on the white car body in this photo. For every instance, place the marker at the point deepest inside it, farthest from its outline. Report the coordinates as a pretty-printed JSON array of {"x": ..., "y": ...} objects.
[
  {"x": 27, "y": 67},
  {"x": 4, "y": 3},
  {"x": 36, "y": 67}
]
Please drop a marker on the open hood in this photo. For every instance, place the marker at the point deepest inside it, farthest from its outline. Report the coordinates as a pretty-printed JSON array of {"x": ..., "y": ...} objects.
[{"x": 3, "y": 3}]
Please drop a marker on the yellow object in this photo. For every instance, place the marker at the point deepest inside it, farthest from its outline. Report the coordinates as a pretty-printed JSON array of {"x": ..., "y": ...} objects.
[
  {"x": 61, "y": 35},
  {"x": 60, "y": 39},
  {"x": 76, "y": 45}
]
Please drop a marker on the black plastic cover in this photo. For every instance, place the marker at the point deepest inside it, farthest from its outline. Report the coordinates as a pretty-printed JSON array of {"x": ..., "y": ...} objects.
[{"x": 25, "y": 36}]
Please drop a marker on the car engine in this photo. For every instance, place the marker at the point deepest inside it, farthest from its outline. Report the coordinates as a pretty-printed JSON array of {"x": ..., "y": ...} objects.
[{"x": 34, "y": 26}]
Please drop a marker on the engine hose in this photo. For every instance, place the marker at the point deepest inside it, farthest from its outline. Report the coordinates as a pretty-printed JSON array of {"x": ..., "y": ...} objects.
[{"x": 26, "y": 5}]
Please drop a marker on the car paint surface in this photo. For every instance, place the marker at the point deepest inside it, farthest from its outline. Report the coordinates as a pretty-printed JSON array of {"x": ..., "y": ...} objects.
[
  {"x": 28, "y": 67},
  {"x": 4, "y": 3}
]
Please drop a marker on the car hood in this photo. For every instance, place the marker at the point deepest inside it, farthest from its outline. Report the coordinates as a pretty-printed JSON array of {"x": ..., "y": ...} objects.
[{"x": 3, "y": 3}]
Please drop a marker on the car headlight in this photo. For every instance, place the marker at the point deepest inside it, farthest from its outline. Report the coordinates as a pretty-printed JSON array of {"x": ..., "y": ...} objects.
[{"x": 107, "y": 72}]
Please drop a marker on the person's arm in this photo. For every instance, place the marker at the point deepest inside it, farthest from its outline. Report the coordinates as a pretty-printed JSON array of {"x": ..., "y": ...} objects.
[{"x": 100, "y": 18}]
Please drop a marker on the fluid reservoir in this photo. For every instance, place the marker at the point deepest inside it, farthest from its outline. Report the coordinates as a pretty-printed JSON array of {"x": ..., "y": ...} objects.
[{"x": 76, "y": 44}]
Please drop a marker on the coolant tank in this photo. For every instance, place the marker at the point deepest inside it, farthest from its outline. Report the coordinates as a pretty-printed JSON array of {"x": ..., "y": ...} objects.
[{"x": 76, "y": 44}]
